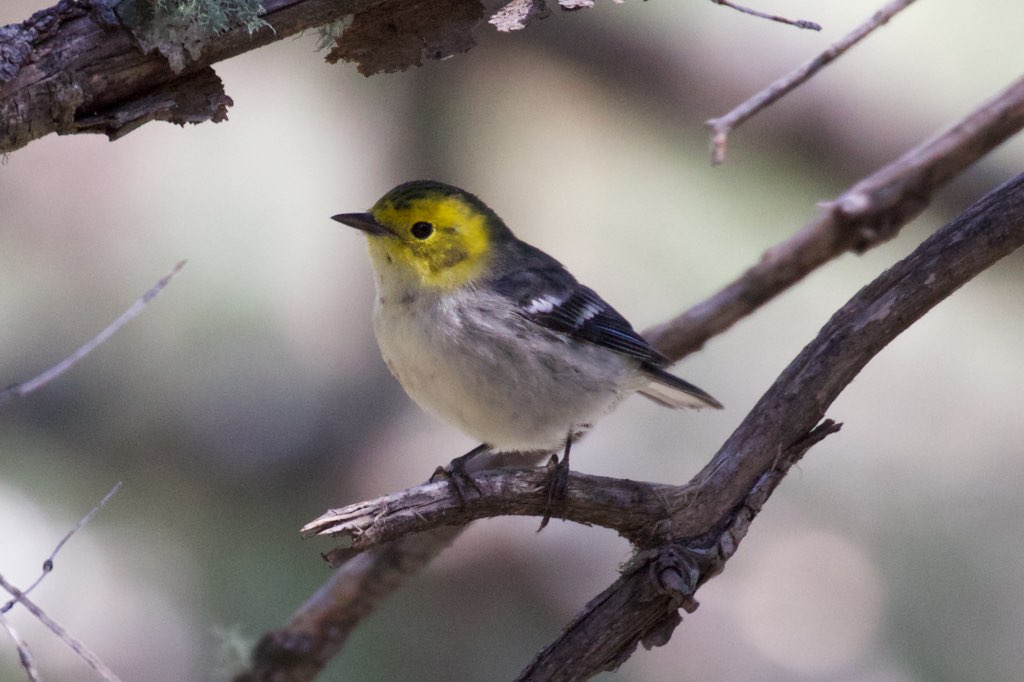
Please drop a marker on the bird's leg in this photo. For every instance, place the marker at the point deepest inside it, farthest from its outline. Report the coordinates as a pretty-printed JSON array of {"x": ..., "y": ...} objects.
[
  {"x": 455, "y": 473},
  {"x": 558, "y": 483}
]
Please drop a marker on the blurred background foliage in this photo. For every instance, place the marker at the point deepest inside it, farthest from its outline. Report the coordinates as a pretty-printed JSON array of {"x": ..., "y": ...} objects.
[{"x": 250, "y": 395}]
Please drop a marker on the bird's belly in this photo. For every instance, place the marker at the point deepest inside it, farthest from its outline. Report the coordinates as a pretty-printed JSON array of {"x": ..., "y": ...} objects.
[{"x": 511, "y": 389}]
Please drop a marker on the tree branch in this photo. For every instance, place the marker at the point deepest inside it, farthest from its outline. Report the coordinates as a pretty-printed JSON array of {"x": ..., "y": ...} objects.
[
  {"x": 867, "y": 214},
  {"x": 24, "y": 388},
  {"x": 48, "y": 563},
  {"x": 319, "y": 628},
  {"x": 78, "y": 647},
  {"x": 799, "y": 23},
  {"x": 21, "y": 597},
  {"x": 641, "y": 605},
  {"x": 631, "y": 508},
  {"x": 24, "y": 654},
  {"x": 988, "y": 230},
  {"x": 640, "y": 512},
  {"x": 110, "y": 66},
  {"x": 722, "y": 126},
  {"x": 700, "y": 525},
  {"x": 95, "y": 66},
  {"x": 871, "y": 210}
]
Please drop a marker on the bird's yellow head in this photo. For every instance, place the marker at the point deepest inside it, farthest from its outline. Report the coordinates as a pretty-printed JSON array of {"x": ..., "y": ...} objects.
[{"x": 430, "y": 235}]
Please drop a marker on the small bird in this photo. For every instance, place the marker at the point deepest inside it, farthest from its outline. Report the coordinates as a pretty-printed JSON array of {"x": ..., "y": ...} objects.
[{"x": 494, "y": 335}]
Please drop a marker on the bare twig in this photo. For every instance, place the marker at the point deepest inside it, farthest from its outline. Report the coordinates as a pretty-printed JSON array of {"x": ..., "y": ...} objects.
[
  {"x": 20, "y": 596},
  {"x": 48, "y": 563},
  {"x": 869, "y": 212},
  {"x": 78, "y": 647},
  {"x": 799, "y": 23},
  {"x": 722, "y": 126},
  {"x": 24, "y": 655},
  {"x": 22, "y": 389},
  {"x": 630, "y": 507}
]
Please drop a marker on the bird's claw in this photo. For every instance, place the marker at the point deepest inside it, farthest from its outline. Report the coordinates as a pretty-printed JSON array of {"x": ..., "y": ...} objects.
[
  {"x": 459, "y": 480},
  {"x": 558, "y": 488}
]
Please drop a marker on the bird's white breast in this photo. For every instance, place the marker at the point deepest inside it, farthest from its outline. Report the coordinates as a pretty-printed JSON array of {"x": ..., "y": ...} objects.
[{"x": 470, "y": 358}]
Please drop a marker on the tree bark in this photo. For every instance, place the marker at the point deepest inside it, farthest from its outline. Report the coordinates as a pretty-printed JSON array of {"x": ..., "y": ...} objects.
[{"x": 101, "y": 66}]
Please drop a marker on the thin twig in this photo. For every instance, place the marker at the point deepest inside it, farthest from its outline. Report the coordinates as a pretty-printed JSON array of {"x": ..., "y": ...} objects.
[
  {"x": 631, "y": 508},
  {"x": 24, "y": 655},
  {"x": 799, "y": 23},
  {"x": 22, "y": 389},
  {"x": 48, "y": 564},
  {"x": 78, "y": 647},
  {"x": 722, "y": 126}
]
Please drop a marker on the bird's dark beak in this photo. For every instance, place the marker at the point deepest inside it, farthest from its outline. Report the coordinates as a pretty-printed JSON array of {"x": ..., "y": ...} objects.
[{"x": 362, "y": 221}]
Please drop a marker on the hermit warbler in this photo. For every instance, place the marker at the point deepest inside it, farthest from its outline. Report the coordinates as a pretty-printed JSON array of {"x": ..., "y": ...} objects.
[{"x": 494, "y": 335}]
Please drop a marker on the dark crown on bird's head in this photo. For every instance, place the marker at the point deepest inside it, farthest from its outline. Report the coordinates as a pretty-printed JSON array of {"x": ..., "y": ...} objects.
[{"x": 403, "y": 195}]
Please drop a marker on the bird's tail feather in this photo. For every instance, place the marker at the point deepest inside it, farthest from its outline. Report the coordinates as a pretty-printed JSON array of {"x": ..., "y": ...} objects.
[{"x": 671, "y": 391}]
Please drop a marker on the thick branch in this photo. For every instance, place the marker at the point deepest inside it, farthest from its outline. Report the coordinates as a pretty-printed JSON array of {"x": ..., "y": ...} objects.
[
  {"x": 77, "y": 67},
  {"x": 710, "y": 515},
  {"x": 987, "y": 231},
  {"x": 640, "y": 512},
  {"x": 104, "y": 67},
  {"x": 642, "y": 605},
  {"x": 870, "y": 212},
  {"x": 110, "y": 66},
  {"x": 700, "y": 525}
]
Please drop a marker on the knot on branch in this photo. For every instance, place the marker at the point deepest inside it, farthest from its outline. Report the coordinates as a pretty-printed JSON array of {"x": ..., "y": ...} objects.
[
  {"x": 661, "y": 582},
  {"x": 875, "y": 215},
  {"x": 676, "y": 571}
]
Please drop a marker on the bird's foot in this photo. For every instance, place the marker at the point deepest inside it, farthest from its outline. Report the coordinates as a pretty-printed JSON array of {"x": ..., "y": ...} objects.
[
  {"x": 557, "y": 485},
  {"x": 457, "y": 476}
]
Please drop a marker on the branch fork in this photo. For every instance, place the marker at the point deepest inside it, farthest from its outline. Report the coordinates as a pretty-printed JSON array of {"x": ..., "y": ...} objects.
[
  {"x": 688, "y": 532},
  {"x": 711, "y": 514}
]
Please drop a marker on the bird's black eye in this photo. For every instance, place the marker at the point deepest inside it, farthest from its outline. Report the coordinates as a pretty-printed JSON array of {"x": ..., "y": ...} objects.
[{"x": 422, "y": 230}]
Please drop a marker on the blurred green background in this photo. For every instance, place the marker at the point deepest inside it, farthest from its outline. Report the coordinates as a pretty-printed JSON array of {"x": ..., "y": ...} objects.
[{"x": 250, "y": 396}]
